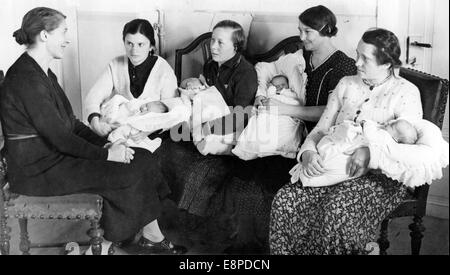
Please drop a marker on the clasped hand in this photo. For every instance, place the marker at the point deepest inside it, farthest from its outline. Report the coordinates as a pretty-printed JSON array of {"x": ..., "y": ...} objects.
[
  {"x": 312, "y": 164},
  {"x": 357, "y": 166},
  {"x": 359, "y": 162},
  {"x": 268, "y": 103},
  {"x": 120, "y": 152}
]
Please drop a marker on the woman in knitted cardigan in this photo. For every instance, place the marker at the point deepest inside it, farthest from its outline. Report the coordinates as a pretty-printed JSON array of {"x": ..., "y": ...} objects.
[{"x": 138, "y": 74}]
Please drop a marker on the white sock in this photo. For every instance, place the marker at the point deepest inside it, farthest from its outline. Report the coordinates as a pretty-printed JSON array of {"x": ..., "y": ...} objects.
[{"x": 152, "y": 232}]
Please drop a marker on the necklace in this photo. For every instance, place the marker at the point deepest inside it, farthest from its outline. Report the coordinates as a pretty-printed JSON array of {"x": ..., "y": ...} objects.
[
  {"x": 323, "y": 61},
  {"x": 372, "y": 85}
]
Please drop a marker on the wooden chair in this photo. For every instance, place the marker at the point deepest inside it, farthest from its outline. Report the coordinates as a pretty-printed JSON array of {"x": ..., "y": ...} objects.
[
  {"x": 288, "y": 45},
  {"x": 434, "y": 94},
  {"x": 77, "y": 207},
  {"x": 202, "y": 41}
]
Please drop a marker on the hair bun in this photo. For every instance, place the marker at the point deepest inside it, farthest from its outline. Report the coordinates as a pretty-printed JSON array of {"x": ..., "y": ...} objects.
[
  {"x": 333, "y": 30},
  {"x": 21, "y": 37}
]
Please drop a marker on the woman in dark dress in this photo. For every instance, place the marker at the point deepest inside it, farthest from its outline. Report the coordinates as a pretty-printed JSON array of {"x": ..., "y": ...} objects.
[
  {"x": 51, "y": 153},
  {"x": 197, "y": 180}
]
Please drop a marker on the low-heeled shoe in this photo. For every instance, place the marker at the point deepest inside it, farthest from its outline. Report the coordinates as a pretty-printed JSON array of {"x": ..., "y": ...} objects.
[{"x": 162, "y": 247}]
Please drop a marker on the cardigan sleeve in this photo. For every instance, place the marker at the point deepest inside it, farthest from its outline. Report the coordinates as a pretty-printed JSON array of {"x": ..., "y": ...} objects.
[
  {"x": 169, "y": 87},
  {"x": 41, "y": 109},
  {"x": 101, "y": 90}
]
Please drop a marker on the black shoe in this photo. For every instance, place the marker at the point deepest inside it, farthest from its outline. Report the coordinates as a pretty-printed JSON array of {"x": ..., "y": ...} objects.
[
  {"x": 163, "y": 247},
  {"x": 125, "y": 243}
]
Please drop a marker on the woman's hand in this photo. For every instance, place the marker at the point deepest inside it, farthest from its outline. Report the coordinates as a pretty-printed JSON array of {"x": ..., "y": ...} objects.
[
  {"x": 100, "y": 127},
  {"x": 119, "y": 152},
  {"x": 258, "y": 100},
  {"x": 269, "y": 103},
  {"x": 312, "y": 164},
  {"x": 203, "y": 81},
  {"x": 139, "y": 136},
  {"x": 357, "y": 165}
]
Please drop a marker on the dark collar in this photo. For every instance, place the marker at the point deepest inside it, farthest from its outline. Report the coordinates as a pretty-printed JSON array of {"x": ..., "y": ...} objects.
[
  {"x": 27, "y": 58},
  {"x": 234, "y": 61},
  {"x": 147, "y": 62}
]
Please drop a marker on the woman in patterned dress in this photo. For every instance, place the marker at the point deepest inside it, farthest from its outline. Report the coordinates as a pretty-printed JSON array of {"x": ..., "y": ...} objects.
[
  {"x": 343, "y": 218},
  {"x": 325, "y": 66}
]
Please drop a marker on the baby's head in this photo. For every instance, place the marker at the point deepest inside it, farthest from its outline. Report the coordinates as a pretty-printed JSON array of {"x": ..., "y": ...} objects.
[
  {"x": 280, "y": 82},
  {"x": 402, "y": 131},
  {"x": 191, "y": 84},
  {"x": 154, "y": 107}
]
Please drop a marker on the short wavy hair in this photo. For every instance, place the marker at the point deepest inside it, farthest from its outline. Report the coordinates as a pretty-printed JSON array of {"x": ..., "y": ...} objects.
[
  {"x": 238, "y": 36},
  {"x": 321, "y": 19},
  {"x": 387, "y": 46}
]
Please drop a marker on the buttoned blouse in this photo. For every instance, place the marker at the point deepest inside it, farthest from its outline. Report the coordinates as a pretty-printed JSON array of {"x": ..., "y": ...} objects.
[{"x": 354, "y": 100}]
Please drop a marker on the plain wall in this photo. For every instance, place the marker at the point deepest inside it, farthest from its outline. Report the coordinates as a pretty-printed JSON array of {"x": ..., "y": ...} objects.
[{"x": 95, "y": 26}]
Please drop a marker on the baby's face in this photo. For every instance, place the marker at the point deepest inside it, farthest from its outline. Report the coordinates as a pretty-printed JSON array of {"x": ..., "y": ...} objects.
[
  {"x": 191, "y": 84},
  {"x": 392, "y": 130},
  {"x": 280, "y": 83},
  {"x": 402, "y": 131},
  {"x": 155, "y": 107}
]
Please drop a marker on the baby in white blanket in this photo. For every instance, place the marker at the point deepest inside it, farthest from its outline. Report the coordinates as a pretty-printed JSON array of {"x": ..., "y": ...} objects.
[
  {"x": 336, "y": 147},
  {"x": 135, "y": 116},
  {"x": 268, "y": 133},
  {"x": 118, "y": 109},
  {"x": 207, "y": 106}
]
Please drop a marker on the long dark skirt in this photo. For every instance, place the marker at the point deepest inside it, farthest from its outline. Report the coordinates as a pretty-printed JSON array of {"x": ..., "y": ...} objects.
[
  {"x": 196, "y": 181},
  {"x": 132, "y": 193},
  {"x": 338, "y": 219}
]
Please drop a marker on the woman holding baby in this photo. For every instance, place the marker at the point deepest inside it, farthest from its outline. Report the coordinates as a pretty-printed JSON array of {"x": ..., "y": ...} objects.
[
  {"x": 343, "y": 218},
  {"x": 196, "y": 176},
  {"x": 324, "y": 66},
  {"x": 51, "y": 153},
  {"x": 140, "y": 74}
]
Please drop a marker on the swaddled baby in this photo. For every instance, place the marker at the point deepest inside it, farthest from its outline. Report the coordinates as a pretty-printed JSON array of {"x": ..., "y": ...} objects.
[
  {"x": 279, "y": 89},
  {"x": 119, "y": 110},
  {"x": 335, "y": 148},
  {"x": 191, "y": 87},
  {"x": 268, "y": 133}
]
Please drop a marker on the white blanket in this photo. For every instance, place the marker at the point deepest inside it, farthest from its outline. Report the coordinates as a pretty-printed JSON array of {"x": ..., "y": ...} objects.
[
  {"x": 269, "y": 134},
  {"x": 207, "y": 105},
  {"x": 126, "y": 114},
  {"x": 411, "y": 164},
  {"x": 415, "y": 164}
]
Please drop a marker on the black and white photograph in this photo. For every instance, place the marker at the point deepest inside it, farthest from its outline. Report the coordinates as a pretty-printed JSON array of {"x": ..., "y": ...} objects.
[{"x": 223, "y": 133}]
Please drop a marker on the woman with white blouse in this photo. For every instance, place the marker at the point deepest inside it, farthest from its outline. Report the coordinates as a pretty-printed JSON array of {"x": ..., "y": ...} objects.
[
  {"x": 343, "y": 218},
  {"x": 140, "y": 74}
]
